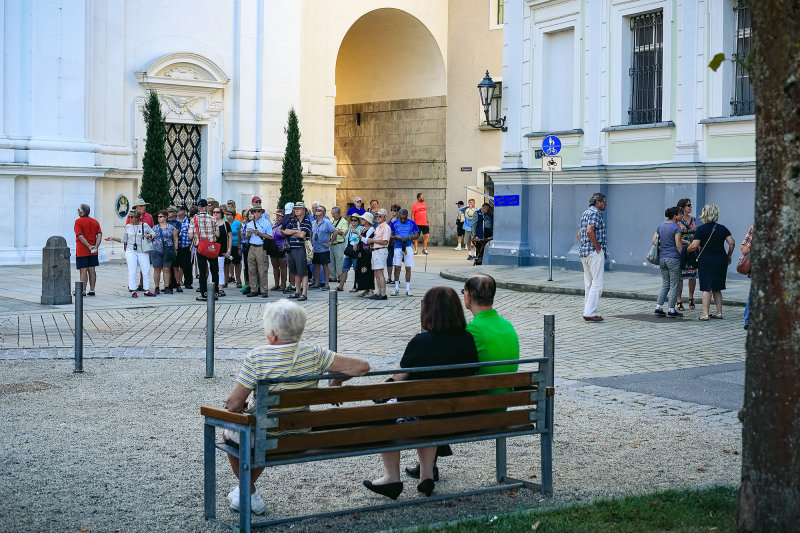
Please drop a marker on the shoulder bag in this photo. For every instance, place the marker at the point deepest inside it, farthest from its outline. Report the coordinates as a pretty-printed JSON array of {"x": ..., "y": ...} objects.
[
  {"x": 366, "y": 247},
  {"x": 743, "y": 267},
  {"x": 695, "y": 261},
  {"x": 307, "y": 244},
  {"x": 349, "y": 251},
  {"x": 652, "y": 255},
  {"x": 205, "y": 247},
  {"x": 147, "y": 246}
]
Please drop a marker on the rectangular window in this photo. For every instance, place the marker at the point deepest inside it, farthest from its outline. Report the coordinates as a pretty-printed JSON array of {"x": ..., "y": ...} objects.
[
  {"x": 499, "y": 19},
  {"x": 646, "y": 70},
  {"x": 743, "y": 102}
]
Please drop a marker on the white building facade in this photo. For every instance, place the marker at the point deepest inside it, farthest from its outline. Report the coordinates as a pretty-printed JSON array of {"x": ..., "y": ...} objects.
[{"x": 625, "y": 85}]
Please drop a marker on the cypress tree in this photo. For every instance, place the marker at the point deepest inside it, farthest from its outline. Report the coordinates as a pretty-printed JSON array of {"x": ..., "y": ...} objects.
[
  {"x": 292, "y": 172},
  {"x": 155, "y": 180}
]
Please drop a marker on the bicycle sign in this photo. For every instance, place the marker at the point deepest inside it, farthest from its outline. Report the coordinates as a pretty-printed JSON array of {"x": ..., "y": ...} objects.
[{"x": 551, "y": 145}]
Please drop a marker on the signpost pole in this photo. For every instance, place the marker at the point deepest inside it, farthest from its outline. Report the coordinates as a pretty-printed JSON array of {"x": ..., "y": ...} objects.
[{"x": 550, "y": 245}]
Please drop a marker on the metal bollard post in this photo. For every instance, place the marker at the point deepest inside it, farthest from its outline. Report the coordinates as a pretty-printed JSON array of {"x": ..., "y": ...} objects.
[
  {"x": 78, "y": 327},
  {"x": 210, "y": 333},
  {"x": 333, "y": 304},
  {"x": 547, "y": 437}
]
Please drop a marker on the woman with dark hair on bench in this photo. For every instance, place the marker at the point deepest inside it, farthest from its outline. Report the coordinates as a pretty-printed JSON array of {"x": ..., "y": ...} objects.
[{"x": 444, "y": 341}]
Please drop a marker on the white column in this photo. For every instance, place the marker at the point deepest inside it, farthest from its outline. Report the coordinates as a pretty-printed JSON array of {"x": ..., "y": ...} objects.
[
  {"x": 595, "y": 62},
  {"x": 687, "y": 48},
  {"x": 512, "y": 141}
]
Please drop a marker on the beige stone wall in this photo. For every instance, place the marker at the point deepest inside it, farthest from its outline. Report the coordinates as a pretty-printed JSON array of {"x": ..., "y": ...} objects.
[{"x": 397, "y": 151}]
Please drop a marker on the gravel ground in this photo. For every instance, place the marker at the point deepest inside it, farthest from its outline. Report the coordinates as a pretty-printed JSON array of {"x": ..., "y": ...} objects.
[{"x": 119, "y": 448}]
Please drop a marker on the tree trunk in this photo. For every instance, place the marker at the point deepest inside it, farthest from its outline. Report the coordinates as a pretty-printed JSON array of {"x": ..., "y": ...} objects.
[{"x": 769, "y": 499}]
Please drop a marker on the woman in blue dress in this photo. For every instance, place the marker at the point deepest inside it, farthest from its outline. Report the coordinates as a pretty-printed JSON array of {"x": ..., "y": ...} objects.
[{"x": 710, "y": 239}]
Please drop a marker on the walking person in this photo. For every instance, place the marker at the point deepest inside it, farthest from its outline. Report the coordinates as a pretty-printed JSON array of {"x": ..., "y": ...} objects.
[
  {"x": 337, "y": 242},
  {"x": 380, "y": 251},
  {"x": 321, "y": 235},
  {"x": 670, "y": 243},
  {"x": 133, "y": 241},
  {"x": 404, "y": 232},
  {"x": 257, "y": 231},
  {"x": 592, "y": 236},
  {"x": 184, "y": 255},
  {"x": 225, "y": 245},
  {"x": 688, "y": 225},
  {"x": 165, "y": 244},
  {"x": 87, "y": 241},
  {"x": 419, "y": 214},
  {"x": 280, "y": 268},
  {"x": 349, "y": 261},
  {"x": 460, "y": 226},
  {"x": 204, "y": 227},
  {"x": 298, "y": 229},
  {"x": 710, "y": 239}
]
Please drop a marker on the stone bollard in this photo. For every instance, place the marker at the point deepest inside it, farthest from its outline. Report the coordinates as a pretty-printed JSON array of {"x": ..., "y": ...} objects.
[{"x": 55, "y": 272}]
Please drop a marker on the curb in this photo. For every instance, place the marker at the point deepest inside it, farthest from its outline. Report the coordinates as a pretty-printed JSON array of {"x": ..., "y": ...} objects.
[{"x": 572, "y": 291}]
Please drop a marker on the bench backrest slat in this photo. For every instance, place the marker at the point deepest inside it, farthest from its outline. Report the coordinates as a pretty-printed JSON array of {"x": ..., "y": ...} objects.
[
  {"x": 366, "y": 435},
  {"x": 403, "y": 389},
  {"x": 389, "y": 412}
]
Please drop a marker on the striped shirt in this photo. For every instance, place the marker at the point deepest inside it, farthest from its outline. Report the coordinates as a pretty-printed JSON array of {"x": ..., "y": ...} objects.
[{"x": 273, "y": 361}]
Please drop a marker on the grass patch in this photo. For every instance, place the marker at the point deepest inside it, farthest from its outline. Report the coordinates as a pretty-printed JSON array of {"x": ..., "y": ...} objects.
[{"x": 706, "y": 510}]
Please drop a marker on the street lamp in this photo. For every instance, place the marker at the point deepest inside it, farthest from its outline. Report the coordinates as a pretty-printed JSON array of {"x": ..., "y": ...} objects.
[{"x": 486, "y": 90}]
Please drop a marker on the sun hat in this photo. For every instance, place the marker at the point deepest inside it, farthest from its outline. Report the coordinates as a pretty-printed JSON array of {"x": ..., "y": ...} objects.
[
  {"x": 368, "y": 217},
  {"x": 299, "y": 204},
  {"x": 139, "y": 201}
]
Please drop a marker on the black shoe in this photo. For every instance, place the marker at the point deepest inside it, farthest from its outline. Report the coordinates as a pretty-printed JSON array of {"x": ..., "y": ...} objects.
[
  {"x": 201, "y": 298},
  {"x": 745, "y": 326},
  {"x": 265, "y": 295},
  {"x": 674, "y": 314},
  {"x": 414, "y": 472},
  {"x": 390, "y": 490},
  {"x": 660, "y": 312},
  {"x": 253, "y": 294},
  {"x": 426, "y": 486},
  {"x": 188, "y": 287}
]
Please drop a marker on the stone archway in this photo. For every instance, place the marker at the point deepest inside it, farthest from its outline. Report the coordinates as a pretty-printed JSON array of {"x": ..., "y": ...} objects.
[{"x": 390, "y": 114}]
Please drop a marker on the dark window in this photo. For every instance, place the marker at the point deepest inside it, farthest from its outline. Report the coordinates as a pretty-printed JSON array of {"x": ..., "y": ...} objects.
[
  {"x": 742, "y": 103},
  {"x": 646, "y": 68}
]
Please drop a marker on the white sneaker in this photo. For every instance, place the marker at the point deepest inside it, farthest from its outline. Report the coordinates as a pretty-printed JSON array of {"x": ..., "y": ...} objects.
[
  {"x": 457, "y": 248},
  {"x": 257, "y": 505},
  {"x": 395, "y": 292},
  {"x": 408, "y": 293},
  {"x": 415, "y": 252}
]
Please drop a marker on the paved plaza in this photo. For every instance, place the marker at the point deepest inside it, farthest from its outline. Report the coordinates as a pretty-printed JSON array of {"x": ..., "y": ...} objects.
[{"x": 652, "y": 386}]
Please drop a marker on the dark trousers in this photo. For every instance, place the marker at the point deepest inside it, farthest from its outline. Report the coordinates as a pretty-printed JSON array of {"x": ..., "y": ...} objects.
[
  {"x": 203, "y": 264},
  {"x": 183, "y": 259}
]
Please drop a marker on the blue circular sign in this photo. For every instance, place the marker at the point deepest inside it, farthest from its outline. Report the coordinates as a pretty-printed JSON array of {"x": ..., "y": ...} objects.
[{"x": 551, "y": 145}]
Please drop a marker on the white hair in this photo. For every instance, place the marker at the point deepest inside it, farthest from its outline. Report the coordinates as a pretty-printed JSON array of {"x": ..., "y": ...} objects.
[{"x": 286, "y": 320}]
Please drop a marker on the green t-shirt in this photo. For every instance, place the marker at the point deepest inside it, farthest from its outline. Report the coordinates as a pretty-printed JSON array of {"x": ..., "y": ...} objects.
[{"x": 496, "y": 340}]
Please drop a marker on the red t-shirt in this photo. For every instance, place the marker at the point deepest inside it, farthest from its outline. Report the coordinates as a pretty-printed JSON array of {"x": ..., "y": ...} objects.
[
  {"x": 419, "y": 213},
  {"x": 147, "y": 218},
  {"x": 89, "y": 228}
]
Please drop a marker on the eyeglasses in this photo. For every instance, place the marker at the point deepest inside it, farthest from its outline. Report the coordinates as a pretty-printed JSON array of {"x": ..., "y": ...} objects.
[
  {"x": 161, "y": 216},
  {"x": 217, "y": 212},
  {"x": 318, "y": 210},
  {"x": 688, "y": 205}
]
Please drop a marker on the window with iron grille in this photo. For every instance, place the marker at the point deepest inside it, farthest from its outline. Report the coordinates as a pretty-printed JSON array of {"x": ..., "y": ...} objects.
[
  {"x": 742, "y": 102},
  {"x": 646, "y": 70}
]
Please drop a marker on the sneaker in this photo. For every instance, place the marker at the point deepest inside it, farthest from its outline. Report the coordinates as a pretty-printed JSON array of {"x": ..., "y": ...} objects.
[
  {"x": 167, "y": 291},
  {"x": 201, "y": 298},
  {"x": 674, "y": 314},
  {"x": 469, "y": 257},
  {"x": 408, "y": 293},
  {"x": 415, "y": 252},
  {"x": 134, "y": 295},
  {"x": 148, "y": 293},
  {"x": 425, "y": 251},
  {"x": 157, "y": 291},
  {"x": 660, "y": 312},
  {"x": 233, "y": 498},
  {"x": 257, "y": 505},
  {"x": 325, "y": 288},
  {"x": 395, "y": 292},
  {"x": 457, "y": 248}
]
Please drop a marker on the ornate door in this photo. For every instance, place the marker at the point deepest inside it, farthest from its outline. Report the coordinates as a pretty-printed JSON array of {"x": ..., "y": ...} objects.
[{"x": 182, "y": 146}]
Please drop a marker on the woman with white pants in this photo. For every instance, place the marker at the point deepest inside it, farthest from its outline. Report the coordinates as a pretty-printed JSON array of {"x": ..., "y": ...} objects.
[{"x": 136, "y": 232}]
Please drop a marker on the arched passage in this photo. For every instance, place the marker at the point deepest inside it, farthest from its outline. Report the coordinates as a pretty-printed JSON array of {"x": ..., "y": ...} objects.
[{"x": 390, "y": 113}]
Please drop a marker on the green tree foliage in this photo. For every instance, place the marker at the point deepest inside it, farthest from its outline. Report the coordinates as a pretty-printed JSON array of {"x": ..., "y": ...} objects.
[
  {"x": 292, "y": 173},
  {"x": 155, "y": 180}
]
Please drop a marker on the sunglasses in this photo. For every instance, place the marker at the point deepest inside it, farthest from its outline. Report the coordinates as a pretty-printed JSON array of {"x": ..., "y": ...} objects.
[
  {"x": 217, "y": 212},
  {"x": 162, "y": 216}
]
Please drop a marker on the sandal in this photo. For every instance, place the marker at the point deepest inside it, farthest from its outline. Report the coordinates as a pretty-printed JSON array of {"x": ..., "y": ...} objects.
[
  {"x": 680, "y": 307},
  {"x": 353, "y": 290},
  {"x": 302, "y": 298},
  {"x": 702, "y": 317},
  {"x": 716, "y": 315},
  {"x": 691, "y": 303}
]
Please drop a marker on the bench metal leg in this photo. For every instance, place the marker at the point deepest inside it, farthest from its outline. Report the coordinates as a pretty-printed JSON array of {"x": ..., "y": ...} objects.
[
  {"x": 547, "y": 463},
  {"x": 501, "y": 466},
  {"x": 209, "y": 472},
  {"x": 244, "y": 481}
]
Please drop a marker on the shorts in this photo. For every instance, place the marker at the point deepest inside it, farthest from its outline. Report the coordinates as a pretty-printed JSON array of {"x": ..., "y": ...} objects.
[
  {"x": 349, "y": 262},
  {"x": 321, "y": 258},
  {"x": 407, "y": 257},
  {"x": 423, "y": 230},
  {"x": 460, "y": 229},
  {"x": 379, "y": 257},
  {"x": 237, "y": 257},
  {"x": 87, "y": 261},
  {"x": 157, "y": 260},
  {"x": 297, "y": 262}
]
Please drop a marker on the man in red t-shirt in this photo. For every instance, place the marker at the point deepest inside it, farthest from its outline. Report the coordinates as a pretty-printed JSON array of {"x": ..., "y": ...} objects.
[
  {"x": 144, "y": 216},
  {"x": 87, "y": 240},
  {"x": 419, "y": 214}
]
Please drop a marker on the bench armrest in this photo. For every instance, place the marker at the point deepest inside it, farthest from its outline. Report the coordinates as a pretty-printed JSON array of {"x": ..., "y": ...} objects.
[{"x": 223, "y": 414}]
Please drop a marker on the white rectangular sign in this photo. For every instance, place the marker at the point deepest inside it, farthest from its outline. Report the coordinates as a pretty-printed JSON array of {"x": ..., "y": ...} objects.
[{"x": 551, "y": 163}]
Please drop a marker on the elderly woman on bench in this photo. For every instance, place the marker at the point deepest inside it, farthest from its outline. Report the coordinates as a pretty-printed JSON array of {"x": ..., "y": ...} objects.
[
  {"x": 282, "y": 356},
  {"x": 444, "y": 341}
]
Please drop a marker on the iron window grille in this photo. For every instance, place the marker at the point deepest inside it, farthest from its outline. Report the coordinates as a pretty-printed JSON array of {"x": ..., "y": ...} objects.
[
  {"x": 182, "y": 147},
  {"x": 743, "y": 102},
  {"x": 646, "y": 70}
]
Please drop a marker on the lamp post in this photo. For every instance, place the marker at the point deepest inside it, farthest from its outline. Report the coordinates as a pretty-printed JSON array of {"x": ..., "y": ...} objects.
[{"x": 486, "y": 90}]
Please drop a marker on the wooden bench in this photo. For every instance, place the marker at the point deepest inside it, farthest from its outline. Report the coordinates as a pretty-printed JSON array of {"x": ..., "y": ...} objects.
[{"x": 459, "y": 414}]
